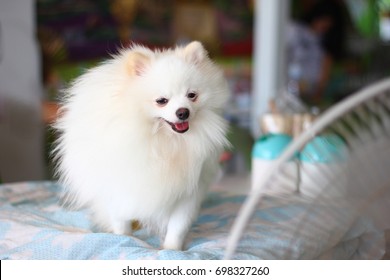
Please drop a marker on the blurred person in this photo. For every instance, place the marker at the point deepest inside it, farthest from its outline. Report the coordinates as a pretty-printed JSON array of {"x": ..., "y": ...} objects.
[
  {"x": 313, "y": 44},
  {"x": 21, "y": 126}
]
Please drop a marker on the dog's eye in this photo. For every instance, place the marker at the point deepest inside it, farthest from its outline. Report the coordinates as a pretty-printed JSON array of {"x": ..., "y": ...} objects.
[
  {"x": 192, "y": 95},
  {"x": 162, "y": 101}
]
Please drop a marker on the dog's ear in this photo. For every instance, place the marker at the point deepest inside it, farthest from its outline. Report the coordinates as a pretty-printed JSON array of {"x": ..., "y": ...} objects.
[
  {"x": 137, "y": 63},
  {"x": 194, "y": 52}
]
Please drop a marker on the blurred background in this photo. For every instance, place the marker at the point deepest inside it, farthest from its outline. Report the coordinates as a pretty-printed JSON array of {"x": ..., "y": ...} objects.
[{"x": 323, "y": 52}]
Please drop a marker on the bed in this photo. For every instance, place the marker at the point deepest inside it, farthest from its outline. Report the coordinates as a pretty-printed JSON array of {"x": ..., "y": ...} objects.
[{"x": 34, "y": 224}]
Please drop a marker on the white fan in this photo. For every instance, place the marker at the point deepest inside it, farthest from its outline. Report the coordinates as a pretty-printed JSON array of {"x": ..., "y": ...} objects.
[{"x": 352, "y": 186}]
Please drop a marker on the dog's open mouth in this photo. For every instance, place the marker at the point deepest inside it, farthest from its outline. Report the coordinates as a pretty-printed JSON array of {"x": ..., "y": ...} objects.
[{"x": 179, "y": 127}]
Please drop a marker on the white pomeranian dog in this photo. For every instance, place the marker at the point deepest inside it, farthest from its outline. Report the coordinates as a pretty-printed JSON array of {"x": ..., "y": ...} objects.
[{"x": 140, "y": 139}]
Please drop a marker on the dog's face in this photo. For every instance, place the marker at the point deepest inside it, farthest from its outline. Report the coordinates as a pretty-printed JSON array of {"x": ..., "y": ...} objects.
[
  {"x": 175, "y": 111},
  {"x": 175, "y": 96},
  {"x": 175, "y": 86}
]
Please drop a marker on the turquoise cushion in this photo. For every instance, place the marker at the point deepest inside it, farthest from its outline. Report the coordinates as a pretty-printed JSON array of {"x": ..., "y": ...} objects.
[
  {"x": 270, "y": 146},
  {"x": 324, "y": 149}
]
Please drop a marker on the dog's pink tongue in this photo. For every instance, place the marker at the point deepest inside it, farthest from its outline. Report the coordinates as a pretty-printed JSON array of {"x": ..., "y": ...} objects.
[{"x": 181, "y": 126}]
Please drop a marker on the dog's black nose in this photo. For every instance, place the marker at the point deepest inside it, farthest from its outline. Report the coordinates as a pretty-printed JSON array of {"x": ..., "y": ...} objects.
[{"x": 183, "y": 113}]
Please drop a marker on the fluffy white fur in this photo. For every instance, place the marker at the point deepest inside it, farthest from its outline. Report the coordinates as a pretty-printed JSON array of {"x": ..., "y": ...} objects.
[{"x": 117, "y": 152}]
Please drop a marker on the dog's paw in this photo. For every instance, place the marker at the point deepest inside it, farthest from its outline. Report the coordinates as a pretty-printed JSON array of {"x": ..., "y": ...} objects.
[
  {"x": 172, "y": 245},
  {"x": 122, "y": 227}
]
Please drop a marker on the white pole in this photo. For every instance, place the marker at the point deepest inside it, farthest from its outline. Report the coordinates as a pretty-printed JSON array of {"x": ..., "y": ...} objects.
[
  {"x": 21, "y": 126},
  {"x": 269, "y": 55}
]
